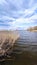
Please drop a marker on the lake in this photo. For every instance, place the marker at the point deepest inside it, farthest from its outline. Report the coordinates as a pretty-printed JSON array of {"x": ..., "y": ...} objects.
[{"x": 25, "y": 50}]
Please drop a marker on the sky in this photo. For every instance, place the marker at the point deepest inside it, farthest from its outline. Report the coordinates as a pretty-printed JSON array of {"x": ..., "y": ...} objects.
[{"x": 18, "y": 14}]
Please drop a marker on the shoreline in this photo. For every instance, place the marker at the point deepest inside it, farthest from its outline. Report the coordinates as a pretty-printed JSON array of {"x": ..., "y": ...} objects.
[{"x": 32, "y": 30}]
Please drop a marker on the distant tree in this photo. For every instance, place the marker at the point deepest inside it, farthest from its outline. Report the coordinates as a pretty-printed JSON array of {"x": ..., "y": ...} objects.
[
  {"x": 32, "y": 28},
  {"x": 35, "y": 28}
]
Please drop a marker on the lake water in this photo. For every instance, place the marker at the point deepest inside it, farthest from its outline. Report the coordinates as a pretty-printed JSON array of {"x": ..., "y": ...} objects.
[{"x": 25, "y": 50}]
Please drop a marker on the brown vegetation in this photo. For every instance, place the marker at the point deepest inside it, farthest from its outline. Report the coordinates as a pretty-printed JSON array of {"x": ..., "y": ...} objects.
[
  {"x": 32, "y": 28},
  {"x": 7, "y": 40}
]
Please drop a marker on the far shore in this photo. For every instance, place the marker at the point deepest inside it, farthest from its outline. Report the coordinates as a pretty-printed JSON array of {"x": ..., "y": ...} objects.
[{"x": 32, "y": 30}]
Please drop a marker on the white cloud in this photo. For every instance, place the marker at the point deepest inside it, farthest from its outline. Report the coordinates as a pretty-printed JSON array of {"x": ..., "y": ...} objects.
[
  {"x": 34, "y": 17},
  {"x": 20, "y": 23},
  {"x": 16, "y": 14},
  {"x": 30, "y": 11},
  {"x": 7, "y": 18}
]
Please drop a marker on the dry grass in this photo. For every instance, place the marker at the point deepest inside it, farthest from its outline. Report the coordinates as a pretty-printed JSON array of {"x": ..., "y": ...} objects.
[
  {"x": 7, "y": 40},
  {"x": 8, "y": 35}
]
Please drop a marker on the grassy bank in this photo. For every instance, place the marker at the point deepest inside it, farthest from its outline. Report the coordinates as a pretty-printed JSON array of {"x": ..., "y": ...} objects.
[{"x": 7, "y": 40}]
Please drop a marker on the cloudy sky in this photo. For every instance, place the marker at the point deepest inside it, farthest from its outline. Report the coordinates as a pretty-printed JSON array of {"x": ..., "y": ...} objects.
[{"x": 18, "y": 14}]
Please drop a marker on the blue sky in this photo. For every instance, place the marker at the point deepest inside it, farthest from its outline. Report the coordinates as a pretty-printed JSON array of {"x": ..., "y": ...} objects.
[{"x": 18, "y": 14}]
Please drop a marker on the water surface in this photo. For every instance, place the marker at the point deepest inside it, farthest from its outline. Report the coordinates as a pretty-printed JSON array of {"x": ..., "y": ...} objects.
[{"x": 25, "y": 50}]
